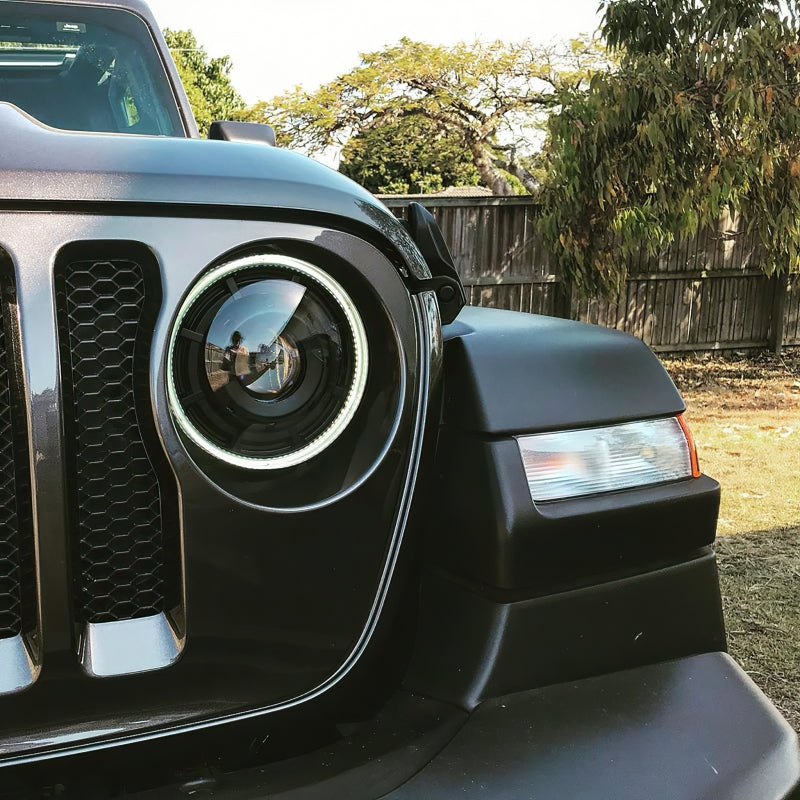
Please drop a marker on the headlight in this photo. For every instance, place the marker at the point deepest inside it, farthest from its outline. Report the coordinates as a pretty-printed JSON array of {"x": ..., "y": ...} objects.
[
  {"x": 267, "y": 363},
  {"x": 582, "y": 462}
]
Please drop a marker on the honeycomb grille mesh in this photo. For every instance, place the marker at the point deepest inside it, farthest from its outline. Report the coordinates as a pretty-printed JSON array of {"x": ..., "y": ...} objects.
[
  {"x": 16, "y": 537},
  {"x": 10, "y": 556},
  {"x": 117, "y": 530}
]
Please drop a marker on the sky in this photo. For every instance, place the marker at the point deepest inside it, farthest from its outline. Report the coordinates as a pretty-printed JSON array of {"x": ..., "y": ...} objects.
[{"x": 278, "y": 44}]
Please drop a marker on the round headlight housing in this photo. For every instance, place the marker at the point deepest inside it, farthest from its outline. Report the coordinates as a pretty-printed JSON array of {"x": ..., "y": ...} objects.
[{"x": 267, "y": 363}]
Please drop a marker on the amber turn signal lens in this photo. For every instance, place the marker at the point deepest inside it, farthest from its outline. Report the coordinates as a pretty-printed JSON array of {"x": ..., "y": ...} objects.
[{"x": 692, "y": 448}]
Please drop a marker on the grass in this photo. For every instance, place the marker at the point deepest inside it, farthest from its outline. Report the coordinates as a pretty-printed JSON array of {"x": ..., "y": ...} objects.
[
  {"x": 745, "y": 416},
  {"x": 760, "y": 580},
  {"x": 756, "y": 459}
]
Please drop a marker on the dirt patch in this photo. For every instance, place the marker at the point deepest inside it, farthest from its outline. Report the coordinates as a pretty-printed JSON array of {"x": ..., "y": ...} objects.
[{"x": 714, "y": 384}]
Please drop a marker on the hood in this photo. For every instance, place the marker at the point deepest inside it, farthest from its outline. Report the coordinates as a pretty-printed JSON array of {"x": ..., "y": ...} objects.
[{"x": 43, "y": 165}]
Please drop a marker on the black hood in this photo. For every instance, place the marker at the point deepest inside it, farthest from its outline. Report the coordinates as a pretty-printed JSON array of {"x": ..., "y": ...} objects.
[{"x": 43, "y": 165}]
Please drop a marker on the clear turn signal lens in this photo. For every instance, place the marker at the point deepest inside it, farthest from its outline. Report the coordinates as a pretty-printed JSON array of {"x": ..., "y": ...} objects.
[{"x": 583, "y": 462}]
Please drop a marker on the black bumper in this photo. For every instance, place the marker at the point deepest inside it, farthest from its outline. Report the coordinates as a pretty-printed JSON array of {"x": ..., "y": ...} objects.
[
  {"x": 688, "y": 729},
  {"x": 694, "y": 728}
]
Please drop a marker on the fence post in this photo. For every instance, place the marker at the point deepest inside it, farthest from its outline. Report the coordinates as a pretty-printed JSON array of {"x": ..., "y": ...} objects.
[
  {"x": 562, "y": 301},
  {"x": 778, "y": 314}
]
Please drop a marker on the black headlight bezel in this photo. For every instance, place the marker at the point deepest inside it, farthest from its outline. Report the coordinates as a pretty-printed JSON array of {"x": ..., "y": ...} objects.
[
  {"x": 237, "y": 428},
  {"x": 365, "y": 441}
]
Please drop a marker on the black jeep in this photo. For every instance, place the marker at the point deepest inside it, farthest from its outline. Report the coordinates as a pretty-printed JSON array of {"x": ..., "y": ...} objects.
[{"x": 271, "y": 529}]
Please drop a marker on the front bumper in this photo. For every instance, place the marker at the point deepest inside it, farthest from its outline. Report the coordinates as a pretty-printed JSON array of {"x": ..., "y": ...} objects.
[{"x": 695, "y": 727}]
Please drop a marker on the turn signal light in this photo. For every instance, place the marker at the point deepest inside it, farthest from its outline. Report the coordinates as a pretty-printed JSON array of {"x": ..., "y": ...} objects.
[{"x": 608, "y": 459}]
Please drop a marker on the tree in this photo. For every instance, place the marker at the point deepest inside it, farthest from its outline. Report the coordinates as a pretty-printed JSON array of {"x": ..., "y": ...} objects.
[
  {"x": 701, "y": 115},
  {"x": 408, "y": 155},
  {"x": 206, "y": 80},
  {"x": 486, "y": 97}
]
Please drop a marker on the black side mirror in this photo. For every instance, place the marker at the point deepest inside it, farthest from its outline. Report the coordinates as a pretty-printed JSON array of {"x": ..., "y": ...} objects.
[
  {"x": 248, "y": 132},
  {"x": 446, "y": 282}
]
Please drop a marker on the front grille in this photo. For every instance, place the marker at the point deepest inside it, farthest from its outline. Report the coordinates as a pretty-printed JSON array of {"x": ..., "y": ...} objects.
[
  {"x": 17, "y": 591},
  {"x": 123, "y": 560},
  {"x": 10, "y": 556}
]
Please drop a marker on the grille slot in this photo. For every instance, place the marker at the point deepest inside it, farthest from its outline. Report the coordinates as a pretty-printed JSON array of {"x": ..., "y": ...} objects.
[
  {"x": 124, "y": 559},
  {"x": 17, "y": 572}
]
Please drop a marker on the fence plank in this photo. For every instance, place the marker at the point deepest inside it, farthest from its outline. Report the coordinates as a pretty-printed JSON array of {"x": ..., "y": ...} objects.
[{"x": 703, "y": 293}]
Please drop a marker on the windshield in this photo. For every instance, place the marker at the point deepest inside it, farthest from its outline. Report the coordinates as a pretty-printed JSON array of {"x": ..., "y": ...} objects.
[{"x": 86, "y": 69}]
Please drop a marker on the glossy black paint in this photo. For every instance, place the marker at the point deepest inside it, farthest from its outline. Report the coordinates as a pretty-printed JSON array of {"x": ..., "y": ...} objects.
[
  {"x": 279, "y": 603},
  {"x": 302, "y": 606},
  {"x": 44, "y": 169},
  {"x": 445, "y": 281}
]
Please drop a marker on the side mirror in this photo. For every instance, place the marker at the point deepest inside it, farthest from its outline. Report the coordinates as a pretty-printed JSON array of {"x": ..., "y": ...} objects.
[{"x": 248, "y": 132}]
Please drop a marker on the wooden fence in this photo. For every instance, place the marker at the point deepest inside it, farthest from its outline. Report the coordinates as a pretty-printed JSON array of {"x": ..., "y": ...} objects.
[{"x": 706, "y": 293}]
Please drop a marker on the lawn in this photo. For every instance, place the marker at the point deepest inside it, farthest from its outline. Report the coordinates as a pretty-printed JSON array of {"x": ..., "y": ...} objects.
[{"x": 745, "y": 416}]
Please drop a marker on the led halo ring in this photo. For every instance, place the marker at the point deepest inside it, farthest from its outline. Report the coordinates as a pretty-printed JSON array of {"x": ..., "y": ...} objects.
[{"x": 358, "y": 381}]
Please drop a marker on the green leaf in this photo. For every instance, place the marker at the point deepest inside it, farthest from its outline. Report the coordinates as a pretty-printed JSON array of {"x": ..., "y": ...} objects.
[{"x": 701, "y": 113}]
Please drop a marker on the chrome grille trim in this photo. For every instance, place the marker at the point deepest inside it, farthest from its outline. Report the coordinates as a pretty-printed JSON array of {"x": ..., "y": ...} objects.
[
  {"x": 18, "y": 669},
  {"x": 129, "y": 646}
]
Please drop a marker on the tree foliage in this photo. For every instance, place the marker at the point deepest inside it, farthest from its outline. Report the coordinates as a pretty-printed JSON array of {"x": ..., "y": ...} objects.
[
  {"x": 701, "y": 115},
  {"x": 408, "y": 155},
  {"x": 485, "y": 97},
  {"x": 206, "y": 80}
]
